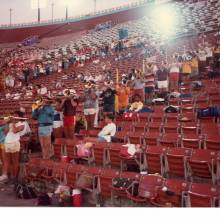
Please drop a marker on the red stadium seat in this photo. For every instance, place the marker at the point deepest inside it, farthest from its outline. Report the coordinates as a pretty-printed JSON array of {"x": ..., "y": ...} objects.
[
  {"x": 72, "y": 173},
  {"x": 144, "y": 117},
  {"x": 34, "y": 169},
  {"x": 148, "y": 185},
  {"x": 175, "y": 161},
  {"x": 171, "y": 127},
  {"x": 212, "y": 143},
  {"x": 55, "y": 171},
  {"x": 170, "y": 140},
  {"x": 99, "y": 153},
  {"x": 201, "y": 164},
  {"x": 151, "y": 138},
  {"x": 171, "y": 194},
  {"x": 135, "y": 137},
  {"x": 70, "y": 148},
  {"x": 106, "y": 177},
  {"x": 121, "y": 136},
  {"x": 191, "y": 141},
  {"x": 203, "y": 195},
  {"x": 157, "y": 117},
  {"x": 140, "y": 127},
  {"x": 121, "y": 192},
  {"x": 58, "y": 147},
  {"x": 155, "y": 159},
  {"x": 113, "y": 155}
]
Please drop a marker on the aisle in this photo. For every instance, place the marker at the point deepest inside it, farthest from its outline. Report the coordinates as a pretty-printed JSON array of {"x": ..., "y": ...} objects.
[{"x": 7, "y": 197}]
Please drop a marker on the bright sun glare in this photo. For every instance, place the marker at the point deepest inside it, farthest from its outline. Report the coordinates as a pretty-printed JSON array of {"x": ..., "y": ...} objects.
[{"x": 165, "y": 20}]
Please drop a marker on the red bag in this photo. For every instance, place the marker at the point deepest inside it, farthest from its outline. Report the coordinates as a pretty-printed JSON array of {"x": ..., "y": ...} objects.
[{"x": 129, "y": 116}]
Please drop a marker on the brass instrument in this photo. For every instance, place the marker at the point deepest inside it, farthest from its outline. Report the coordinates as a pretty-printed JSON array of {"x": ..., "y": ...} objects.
[
  {"x": 37, "y": 104},
  {"x": 9, "y": 118}
]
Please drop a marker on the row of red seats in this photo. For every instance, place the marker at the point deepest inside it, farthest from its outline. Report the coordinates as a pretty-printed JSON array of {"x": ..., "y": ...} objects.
[
  {"x": 152, "y": 189},
  {"x": 180, "y": 162}
]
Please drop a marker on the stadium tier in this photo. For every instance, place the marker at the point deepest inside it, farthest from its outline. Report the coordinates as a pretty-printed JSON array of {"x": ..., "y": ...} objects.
[{"x": 116, "y": 109}]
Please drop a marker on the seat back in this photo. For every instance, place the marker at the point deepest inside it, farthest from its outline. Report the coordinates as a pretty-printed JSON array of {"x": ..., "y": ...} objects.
[
  {"x": 72, "y": 172},
  {"x": 155, "y": 159},
  {"x": 175, "y": 161},
  {"x": 99, "y": 152},
  {"x": 113, "y": 153},
  {"x": 202, "y": 195},
  {"x": 105, "y": 179},
  {"x": 148, "y": 186},
  {"x": 171, "y": 193}
]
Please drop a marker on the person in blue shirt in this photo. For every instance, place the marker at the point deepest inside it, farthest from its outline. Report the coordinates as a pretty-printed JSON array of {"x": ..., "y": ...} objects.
[
  {"x": 43, "y": 112},
  {"x": 3, "y": 132}
]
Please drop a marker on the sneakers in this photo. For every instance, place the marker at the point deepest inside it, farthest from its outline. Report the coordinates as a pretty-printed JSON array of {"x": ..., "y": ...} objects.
[{"x": 3, "y": 178}]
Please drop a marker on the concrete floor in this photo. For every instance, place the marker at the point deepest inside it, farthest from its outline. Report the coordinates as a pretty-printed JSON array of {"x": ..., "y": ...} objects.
[{"x": 8, "y": 199}]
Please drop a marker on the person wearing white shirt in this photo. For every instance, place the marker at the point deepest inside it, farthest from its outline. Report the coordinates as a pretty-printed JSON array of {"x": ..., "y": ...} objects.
[
  {"x": 174, "y": 75},
  {"x": 109, "y": 130},
  {"x": 42, "y": 90},
  {"x": 12, "y": 146}
]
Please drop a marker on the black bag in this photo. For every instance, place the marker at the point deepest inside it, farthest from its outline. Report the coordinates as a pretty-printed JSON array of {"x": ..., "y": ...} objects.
[
  {"x": 44, "y": 200},
  {"x": 121, "y": 182},
  {"x": 172, "y": 109},
  {"x": 23, "y": 191}
]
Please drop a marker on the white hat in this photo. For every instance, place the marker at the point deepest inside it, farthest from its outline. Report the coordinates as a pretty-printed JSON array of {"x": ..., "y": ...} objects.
[{"x": 71, "y": 91}]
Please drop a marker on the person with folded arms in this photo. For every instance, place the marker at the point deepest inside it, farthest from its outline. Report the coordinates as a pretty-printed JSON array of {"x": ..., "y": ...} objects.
[
  {"x": 43, "y": 112},
  {"x": 109, "y": 130}
]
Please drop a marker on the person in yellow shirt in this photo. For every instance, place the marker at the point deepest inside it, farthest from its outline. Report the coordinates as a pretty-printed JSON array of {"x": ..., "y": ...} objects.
[
  {"x": 195, "y": 65},
  {"x": 137, "y": 104},
  {"x": 186, "y": 69},
  {"x": 123, "y": 93}
]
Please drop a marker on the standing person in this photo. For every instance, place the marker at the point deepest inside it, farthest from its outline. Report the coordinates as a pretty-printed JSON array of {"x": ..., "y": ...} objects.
[
  {"x": 138, "y": 86},
  {"x": 44, "y": 113},
  {"x": 90, "y": 99},
  {"x": 97, "y": 107},
  {"x": 3, "y": 132},
  {"x": 12, "y": 144},
  {"x": 108, "y": 97},
  {"x": 58, "y": 121},
  {"x": 202, "y": 60},
  {"x": 162, "y": 78},
  {"x": 123, "y": 93},
  {"x": 174, "y": 75},
  {"x": 26, "y": 72},
  {"x": 69, "y": 105}
]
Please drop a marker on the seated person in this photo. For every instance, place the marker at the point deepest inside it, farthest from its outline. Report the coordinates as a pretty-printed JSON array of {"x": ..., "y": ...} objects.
[
  {"x": 137, "y": 104},
  {"x": 109, "y": 130}
]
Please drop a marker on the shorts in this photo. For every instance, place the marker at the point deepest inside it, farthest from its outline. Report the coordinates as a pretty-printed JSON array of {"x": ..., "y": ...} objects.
[
  {"x": 12, "y": 147},
  {"x": 89, "y": 111},
  {"x": 57, "y": 124},
  {"x": 174, "y": 76},
  {"x": 162, "y": 84},
  {"x": 149, "y": 89},
  {"x": 45, "y": 130},
  {"x": 69, "y": 121}
]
